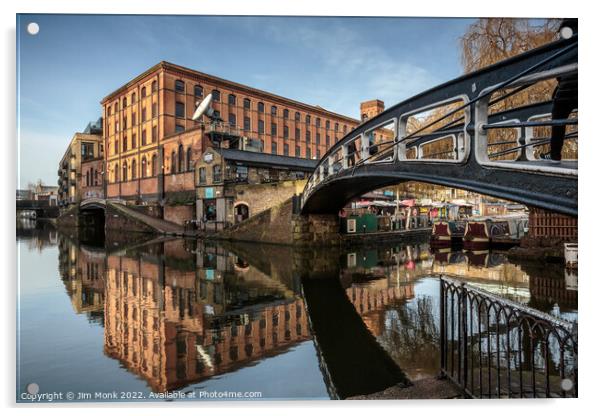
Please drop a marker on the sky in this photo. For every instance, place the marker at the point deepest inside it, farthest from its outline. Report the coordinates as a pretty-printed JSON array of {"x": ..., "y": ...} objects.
[{"x": 65, "y": 70}]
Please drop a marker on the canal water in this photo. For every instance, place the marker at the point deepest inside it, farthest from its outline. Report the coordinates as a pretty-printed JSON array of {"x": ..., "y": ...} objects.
[{"x": 115, "y": 320}]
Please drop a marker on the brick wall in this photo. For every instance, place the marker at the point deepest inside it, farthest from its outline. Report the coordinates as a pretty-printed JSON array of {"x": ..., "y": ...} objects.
[
  {"x": 179, "y": 182},
  {"x": 546, "y": 224},
  {"x": 178, "y": 213}
]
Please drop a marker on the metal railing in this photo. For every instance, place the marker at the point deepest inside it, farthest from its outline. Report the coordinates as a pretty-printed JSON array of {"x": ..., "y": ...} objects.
[
  {"x": 495, "y": 348},
  {"x": 467, "y": 118}
]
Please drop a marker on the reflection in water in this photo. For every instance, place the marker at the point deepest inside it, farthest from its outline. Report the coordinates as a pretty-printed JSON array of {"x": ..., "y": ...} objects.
[{"x": 185, "y": 314}]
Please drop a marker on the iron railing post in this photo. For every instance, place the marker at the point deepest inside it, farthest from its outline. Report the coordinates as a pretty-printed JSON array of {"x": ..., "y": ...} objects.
[
  {"x": 464, "y": 335},
  {"x": 442, "y": 327}
]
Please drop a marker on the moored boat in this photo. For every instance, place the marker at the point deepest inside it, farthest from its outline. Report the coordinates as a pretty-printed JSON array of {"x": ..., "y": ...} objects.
[
  {"x": 447, "y": 233},
  {"x": 482, "y": 233}
]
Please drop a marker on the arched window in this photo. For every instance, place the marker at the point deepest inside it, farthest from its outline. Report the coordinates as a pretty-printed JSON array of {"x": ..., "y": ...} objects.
[
  {"x": 143, "y": 167},
  {"x": 116, "y": 173},
  {"x": 154, "y": 166},
  {"x": 95, "y": 177},
  {"x": 173, "y": 162},
  {"x": 307, "y": 119},
  {"x": 260, "y": 107},
  {"x": 274, "y": 110},
  {"x": 181, "y": 161},
  {"x": 124, "y": 102},
  {"x": 198, "y": 91},
  {"x": 143, "y": 92},
  {"x": 297, "y": 116},
  {"x": 216, "y": 95},
  {"x": 154, "y": 86},
  {"x": 133, "y": 97},
  {"x": 246, "y": 104},
  {"x": 88, "y": 178},
  {"x": 134, "y": 169},
  {"x": 231, "y": 99},
  {"x": 124, "y": 169},
  {"x": 189, "y": 163}
]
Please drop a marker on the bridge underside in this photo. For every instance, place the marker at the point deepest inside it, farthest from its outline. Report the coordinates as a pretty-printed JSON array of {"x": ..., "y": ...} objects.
[{"x": 555, "y": 193}]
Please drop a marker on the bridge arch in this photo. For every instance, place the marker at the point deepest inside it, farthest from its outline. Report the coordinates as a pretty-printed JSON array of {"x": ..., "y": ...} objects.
[{"x": 469, "y": 121}]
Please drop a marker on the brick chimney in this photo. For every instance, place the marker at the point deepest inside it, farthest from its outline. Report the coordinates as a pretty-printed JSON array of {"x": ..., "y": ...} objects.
[{"x": 369, "y": 109}]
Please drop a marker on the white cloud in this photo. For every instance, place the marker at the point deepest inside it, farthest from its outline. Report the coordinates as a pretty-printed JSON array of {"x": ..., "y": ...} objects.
[{"x": 359, "y": 70}]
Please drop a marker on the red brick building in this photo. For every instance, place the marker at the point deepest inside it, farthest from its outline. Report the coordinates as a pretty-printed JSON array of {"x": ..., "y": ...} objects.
[{"x": 152, "y": 142}]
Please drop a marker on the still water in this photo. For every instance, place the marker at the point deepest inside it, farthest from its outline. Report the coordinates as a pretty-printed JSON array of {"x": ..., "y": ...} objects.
[{"x": 115, "y": 321}]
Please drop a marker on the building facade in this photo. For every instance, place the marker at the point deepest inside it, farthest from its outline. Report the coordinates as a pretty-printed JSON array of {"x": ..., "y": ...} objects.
[
  {"x": 83, "y": 147},
  {"x": 149, "y": 119},
  {"x": 232, "y": 185}
]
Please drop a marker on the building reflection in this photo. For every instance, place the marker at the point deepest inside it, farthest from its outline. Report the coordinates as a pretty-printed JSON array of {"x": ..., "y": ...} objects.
[
  {"x": 175, "y": 315},
  {"x": 178, "y": 312}
]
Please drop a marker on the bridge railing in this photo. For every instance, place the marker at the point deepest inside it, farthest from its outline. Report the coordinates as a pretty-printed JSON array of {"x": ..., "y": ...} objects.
[
  {"x": 498, "y": 117},
  {"x": 495, "y": 348}
]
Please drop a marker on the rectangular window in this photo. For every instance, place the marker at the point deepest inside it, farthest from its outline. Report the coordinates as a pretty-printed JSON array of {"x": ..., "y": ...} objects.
[
  {"x": 286, "y": 132},
  {"x": 297, "y": 151},
  {"x": 134, "y": 144},
  {"x": 155, "y": 133},
  {"x": 179, "y": 86},
  {"x": 317, "y": 138},
  {"x": 308, "y": 152},
  {"x": 285, "y": 150},
  {"x": 87, "y": 151},
  {"x": 260, "y": 128},
  {"x": 154, "y": 110},
  {"x": 274, "y": 148},
  {"x": 327, "y": 140},
  {"x": 317, "y": 153},
  {"x": 143, "y": 137},
  {"x": 297, "y": 134},
  {"x": 307, "y": 136},
  {"x": 327, "y": 124},
  {"x": 179, "y": 128},
  {"x": 274, "y": 129},
  {"x": 143, "y": 113},
  {"x": 217, "y": 173},
  {"x": 247, "y": 125},
  {"x": 133, "y": 119},
  {"x": 125, "y": 122},
  {"x": 202, "y": 176},
  {"x": 232, "y": 119},
  {"x": 179, "y": 109}
]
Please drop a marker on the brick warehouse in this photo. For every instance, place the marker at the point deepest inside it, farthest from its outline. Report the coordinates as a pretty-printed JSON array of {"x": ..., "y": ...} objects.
[{"x": 152, "y": 142}]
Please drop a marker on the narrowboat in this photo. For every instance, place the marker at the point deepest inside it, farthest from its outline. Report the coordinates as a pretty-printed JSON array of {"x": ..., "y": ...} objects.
[
  {"x": 482, "y": 233},
  {"x": 447, "y": 233}
]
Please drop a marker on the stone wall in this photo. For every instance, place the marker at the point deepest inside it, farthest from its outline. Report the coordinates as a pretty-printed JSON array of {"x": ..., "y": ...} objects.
[
  {"x": 260, "y": 197},
  {"x": 150, "y": 210},
  {"x": 278, "y": 225},
  {"x": 270, "y": 226},
  {"x": 316, "y": 230},
  {"x": 118, "y": 221},
  {"x": 69, "y": 217}
]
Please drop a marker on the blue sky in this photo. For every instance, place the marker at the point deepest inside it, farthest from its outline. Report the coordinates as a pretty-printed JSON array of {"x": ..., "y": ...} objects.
[{"x": 75, "y": 60}]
